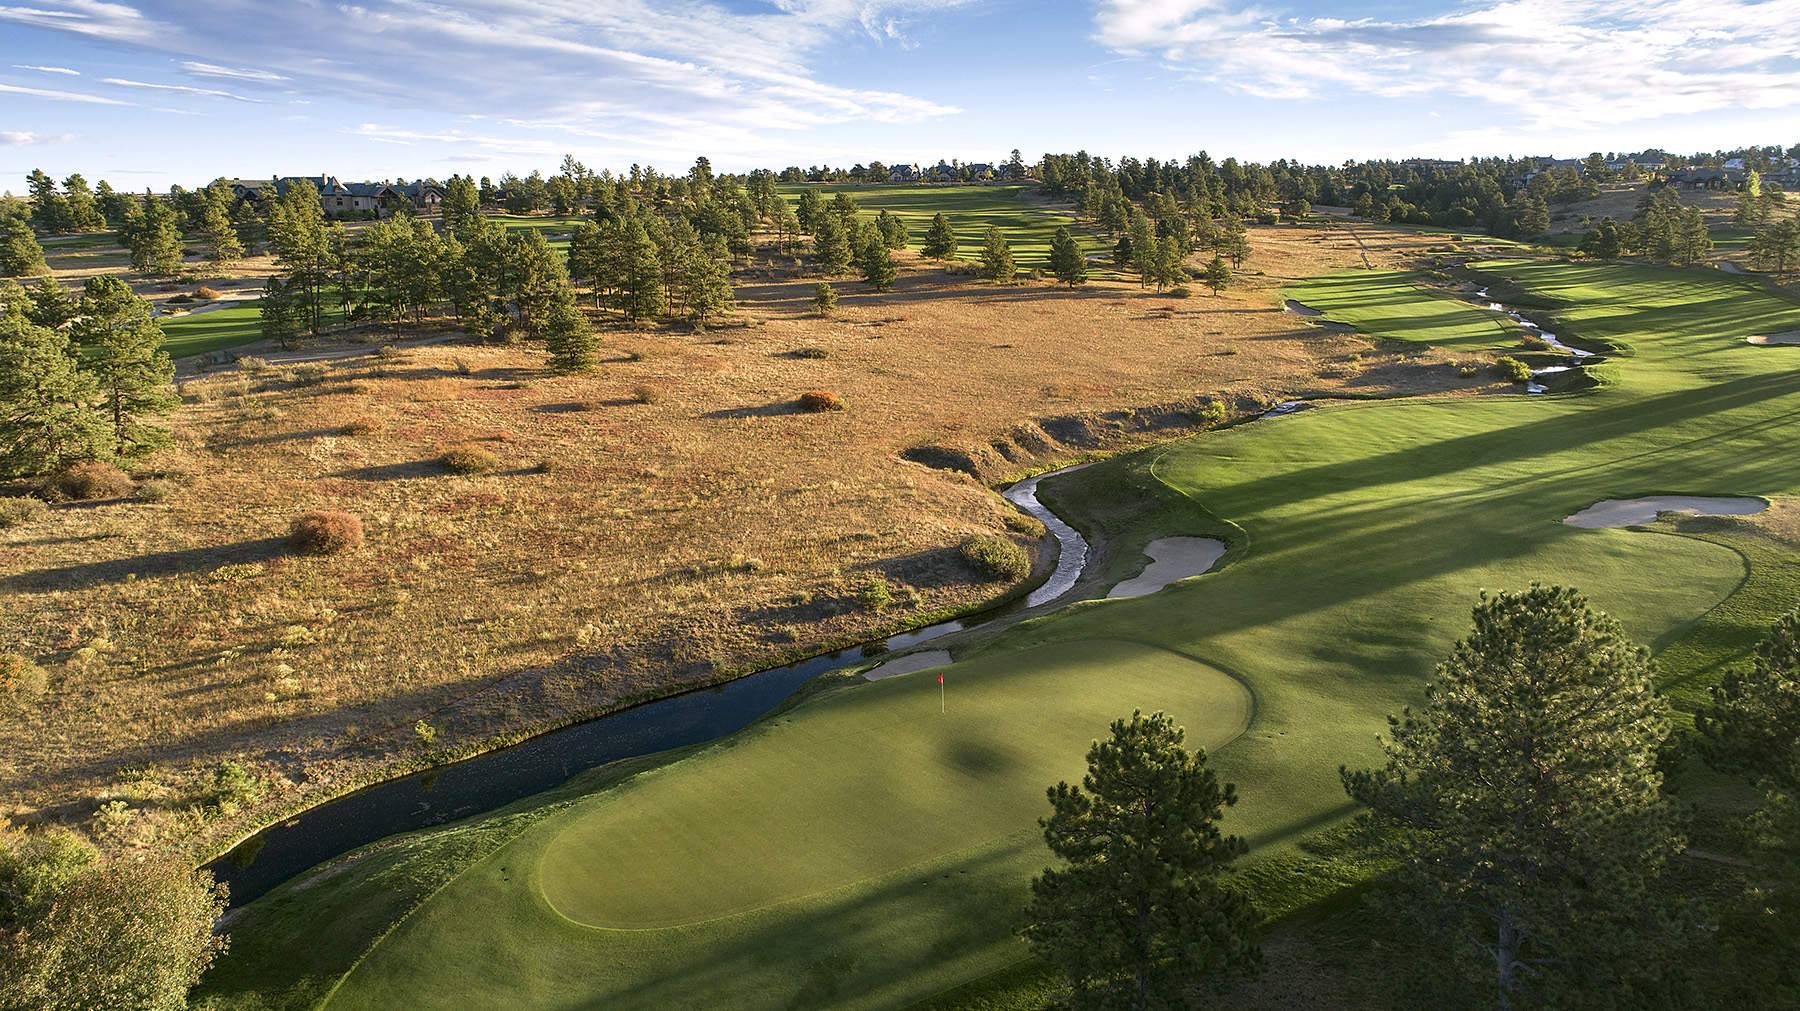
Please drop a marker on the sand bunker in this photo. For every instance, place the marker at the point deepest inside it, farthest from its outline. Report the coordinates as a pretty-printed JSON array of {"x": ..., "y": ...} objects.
[
  {"x": 1625, "y": 512},
  {"x": 1300, "y": 309},
  {"x": 1789, "y": 337},
  {"x": 923, "y": 660},
  {"x": 1171, "y": 558}
]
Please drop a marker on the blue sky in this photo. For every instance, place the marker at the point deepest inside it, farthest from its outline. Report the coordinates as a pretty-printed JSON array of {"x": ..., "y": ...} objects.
[{"x": 147, "y": 92}]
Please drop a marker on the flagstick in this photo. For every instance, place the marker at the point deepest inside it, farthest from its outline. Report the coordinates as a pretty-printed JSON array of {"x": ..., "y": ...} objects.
[{"x": 941, "y": 695}]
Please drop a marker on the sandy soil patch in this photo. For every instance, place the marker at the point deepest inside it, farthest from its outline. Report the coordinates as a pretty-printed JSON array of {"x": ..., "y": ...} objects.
[
  {"x": 1171, "y": 558},
  {"x": 1613, "y": 512},
  {"x": 922, "y": 660}
]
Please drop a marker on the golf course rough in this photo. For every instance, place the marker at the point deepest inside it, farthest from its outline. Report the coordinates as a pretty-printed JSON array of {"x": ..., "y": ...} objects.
[{"x": 864, "y": 850}]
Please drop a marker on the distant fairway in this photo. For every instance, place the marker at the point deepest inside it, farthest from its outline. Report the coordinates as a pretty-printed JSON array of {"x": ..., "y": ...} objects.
[
  {"x": 1390, "y": 303},
  {"x": 906, "y": 783},
  {"x": 862, "y": 851},
  {"x": 213, "y": 331},
  {"x": 971, "y": 210}
]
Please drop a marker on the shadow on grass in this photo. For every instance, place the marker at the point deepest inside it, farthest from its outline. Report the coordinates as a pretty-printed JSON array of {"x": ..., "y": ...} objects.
[{"x": 162, "y": 563}]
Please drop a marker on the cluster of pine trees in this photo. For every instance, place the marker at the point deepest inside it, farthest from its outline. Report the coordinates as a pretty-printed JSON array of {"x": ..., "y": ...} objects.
[
  {"x": 1662, "y": 230},
  {"x": 80, "y": 378}
]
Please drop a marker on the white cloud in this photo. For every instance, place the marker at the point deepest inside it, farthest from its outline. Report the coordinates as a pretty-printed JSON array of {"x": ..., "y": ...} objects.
[
  {"x": 1555, "y": 64},
  {"x": 234, "y": 73},
  {"x": 60, "y": 96},
  {"x": 47, "y": 70},
  {"x": 182, "y": 88},
  {"x": 676, "y": 74},
  {"x": 26, "y": 138}
]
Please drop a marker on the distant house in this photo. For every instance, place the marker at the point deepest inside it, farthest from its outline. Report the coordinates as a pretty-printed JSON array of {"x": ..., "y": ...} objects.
[
  {"x": 1709, "y": 179},
  {"x": 945, "y": 173},
  {"x": 904, "y": 173},
  {"x": 338, "y": 199},
  {"x": 980, "y": 170}
]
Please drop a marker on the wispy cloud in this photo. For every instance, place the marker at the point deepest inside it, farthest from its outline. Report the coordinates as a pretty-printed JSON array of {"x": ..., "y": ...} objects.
[
  {"x": 26, "y": 138},
  {"x": 181, "y": 88},
  {"x": 1551, "y": 64},
  {"x": 731, "y": 73},
  {"x": 234, "y": 73},
  {"x": 47, "y": 70},
  {"x": 60, "y": 96}
]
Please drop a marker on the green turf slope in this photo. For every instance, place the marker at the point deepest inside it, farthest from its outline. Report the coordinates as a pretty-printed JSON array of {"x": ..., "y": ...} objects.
[
  {"x": 1360, "y": 535},
  {"x": 867, "y": 814},
  {"x": 1391, "y": 303},
  {"x": 971, "y": 210}
]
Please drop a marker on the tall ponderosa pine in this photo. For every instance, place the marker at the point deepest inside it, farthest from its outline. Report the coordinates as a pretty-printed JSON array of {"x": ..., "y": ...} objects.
[
  {"x": 20, "y": 253},
  {"x": 304, "y": 251},
  {"x": 123, "y": 344},
  {"x": 1218, "y": 275},
  {"x": 84, "y": 213},
  {"x": 1777, "y": 245},
  {"x": 1136, "y": 917},
  {"x": 640, "y": 294},
  {"x": 831, "y": 246},
  {"x": 940, "y": 239},
  {"x": 223, "y": 247},
  {"x": 152, "y": 239},
  {"x": 996, "y": 257},
  {"x": 47, "y": 416},
  {"x": 568, "y": 336},
  {"x": 1068, "y": 263},
  {"x": 877, "y": 263},
  {"x": 705, "y": 283},
  {"x": 811, "y": 209},
  {"x": 1523, "y": 803}
]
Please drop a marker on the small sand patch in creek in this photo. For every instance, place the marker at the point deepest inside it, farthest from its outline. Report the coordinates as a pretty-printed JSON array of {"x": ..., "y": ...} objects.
[
  {"x": 1616, "y": 512},
  {"x": 1171, "y": 558},
  {"x": 1787, "y": 337},
  {"x": 925, "y": 659}
]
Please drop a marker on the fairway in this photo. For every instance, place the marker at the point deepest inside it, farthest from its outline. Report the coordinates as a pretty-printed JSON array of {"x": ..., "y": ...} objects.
[
  {"x": 212, "y": 331},
  {"x": 1391, "y": 303},
  {"x": 908, "y": 783},
  {"x": 863, "y": 850},
  {"x": 971, "y": 211}
]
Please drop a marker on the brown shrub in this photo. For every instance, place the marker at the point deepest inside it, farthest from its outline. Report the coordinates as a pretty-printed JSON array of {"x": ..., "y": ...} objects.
[
  {"x": 15, "y": 512},
  {"x": 468, "y": 460},
  {"x": 360, "y": 426},
  {"x": 206, "y": 292},
  {"x": 325, "y": 532},
  {"x": 90, "y": 480},
  {"x": 821, "y": 400},
  {"x": 646, "y": 394}
]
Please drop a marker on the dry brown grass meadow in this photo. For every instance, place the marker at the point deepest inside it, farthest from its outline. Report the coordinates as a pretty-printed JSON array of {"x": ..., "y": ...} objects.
[{"x": 621, "y": 548}]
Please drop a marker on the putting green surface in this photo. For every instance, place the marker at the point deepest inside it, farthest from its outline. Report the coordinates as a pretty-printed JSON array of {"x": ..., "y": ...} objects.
[
  {"x": 896, "y": 781},
  {"x": 862, "y": 850}
]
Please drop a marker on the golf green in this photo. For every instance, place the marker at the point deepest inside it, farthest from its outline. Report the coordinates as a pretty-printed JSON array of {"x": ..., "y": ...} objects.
[{"x": 897, "y": 780}]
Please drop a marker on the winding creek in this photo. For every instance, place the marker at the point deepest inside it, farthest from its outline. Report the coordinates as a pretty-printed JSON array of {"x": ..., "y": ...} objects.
[
  {"x": 1577, "y": 357},
  {"x": 494, "y": 779}
]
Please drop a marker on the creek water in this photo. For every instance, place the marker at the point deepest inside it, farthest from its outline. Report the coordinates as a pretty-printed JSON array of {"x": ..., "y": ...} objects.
[
  {"x": 1576, "y": 355},
  {"x": 494, "y": 779}
]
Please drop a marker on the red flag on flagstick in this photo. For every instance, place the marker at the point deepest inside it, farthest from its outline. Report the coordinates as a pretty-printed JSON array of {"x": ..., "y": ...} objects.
[
  {"x": 940, "y": 679},
  {"x": 941, "y": 691}
]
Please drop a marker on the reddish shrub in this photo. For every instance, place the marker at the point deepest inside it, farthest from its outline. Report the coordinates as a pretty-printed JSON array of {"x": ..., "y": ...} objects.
[
  {"x": 90, "y": 480},
  {"x": 325, "y": 532}
]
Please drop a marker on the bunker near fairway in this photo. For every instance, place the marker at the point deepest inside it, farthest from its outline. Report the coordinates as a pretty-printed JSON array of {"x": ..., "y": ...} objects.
[{"x": 1629, "y": 512}]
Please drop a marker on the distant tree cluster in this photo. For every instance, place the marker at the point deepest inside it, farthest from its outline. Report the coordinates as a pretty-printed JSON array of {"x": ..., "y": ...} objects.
[{"x": 1662, "y": 230}]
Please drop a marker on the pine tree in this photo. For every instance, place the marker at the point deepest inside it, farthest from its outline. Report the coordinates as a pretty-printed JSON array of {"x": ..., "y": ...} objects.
[
  {"x": 996, "y": 257},
  {"x": 824, "y": 299},
  {"x": 222, "y": 245},
  {"x": 1777, "y": 246},
  {"x": 47, "y": 417},
  {"x": 1752, "y": 208},
  {"x": 20, "y": 253},
  {"x": 279, "y": 315},
  {"x": 940, "y": 239},
  {"x": 877, "y": 263},
  {"x": 1136, "y": 918},
  {"x": 1752, "y": 724},
  {"x": 461, "y": 206},
  {"x": 705, "y": 284},
  {"x": 1067, "y": 262},
  {"x": 811, "y": 211},
  {"x": 569, "y": 337},
  {"x": 1535, "y": 218},
  {"x": 1524, "y": 802},
  {"x": 893, "y": 230},
  {"x": 1603, "y": 241},
  {"x": 115, "y": 207},
  {"x": 1143, "y": 248},
  {"x": 50, "y": 306},
  {"x": 84, "y": 213},
  {"x": 49, "y": 210},
  {"x": 124, "y": 342},
  {"x": 1234, "y": 242},
  {"x": 1217, "y": 274},
  {"x": 640, "y": 294},
  {"x": 831, "y": 247}
]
